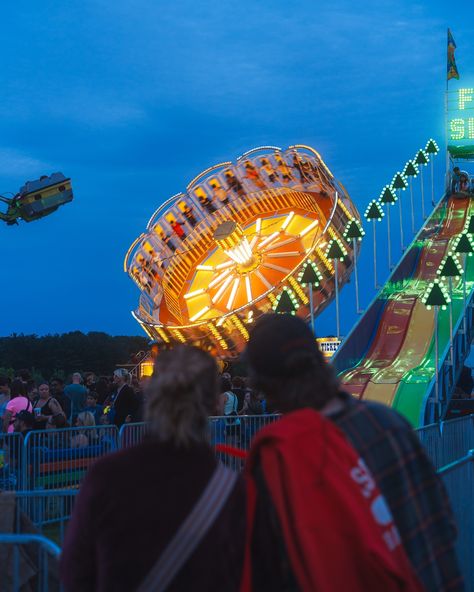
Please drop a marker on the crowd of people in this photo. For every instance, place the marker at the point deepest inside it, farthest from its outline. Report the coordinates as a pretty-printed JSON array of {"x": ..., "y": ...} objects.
[
  {"x": 338, "y": 494},
  {"x": 88, "y": 400}
]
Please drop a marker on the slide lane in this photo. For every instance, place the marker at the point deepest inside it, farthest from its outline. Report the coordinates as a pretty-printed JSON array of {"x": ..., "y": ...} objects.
[{"x": 406, "y": 329}]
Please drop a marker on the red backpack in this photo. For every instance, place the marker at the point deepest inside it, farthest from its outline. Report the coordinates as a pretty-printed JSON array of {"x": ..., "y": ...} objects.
[{"x": 338, "y": 530}]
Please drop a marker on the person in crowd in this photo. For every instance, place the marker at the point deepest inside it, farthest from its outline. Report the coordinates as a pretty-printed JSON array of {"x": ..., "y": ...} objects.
[
  {"x": 18, "y": 402},
  {"x": 229, "y": 407},
  {"x": 52, "y": 438},
  {"x": 56, "y": 385},
  {"x": 103, "y": 389},
  {"x": 252, "y": 405},
  {"x": 93, "y": 407},
  {"x": 4, "y": 394},
  {"x": 24, "y": 422},
  {"x": 238, "y": 388},
  {"x": 90, "y": 380},
  {"x": 125, "y": 402},
  {"x": 137, "y": 485},
  {"x": 31, "y": 390},
  {"x": 77, "y": 393},
  {"x": 45, "y": 406},
  {"x": 285, "y": 363},
  {"x": 84, "y": 438}
]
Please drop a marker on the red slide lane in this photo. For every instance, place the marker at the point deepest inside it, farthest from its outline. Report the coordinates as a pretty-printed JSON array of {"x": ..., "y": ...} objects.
[{"x": 393, "y": 325}]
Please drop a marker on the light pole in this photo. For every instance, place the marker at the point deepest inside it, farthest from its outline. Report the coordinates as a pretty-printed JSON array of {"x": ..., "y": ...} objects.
[
  {"x": 410, "y": 171},
  {"x": 374, "y": 213},
  {"x": 388, "y": 197},
  {"x": 422, "y": 160},
  {"x": 310, "y": 276},
  {"x": 432, "y": 149},
  {"x": 399, "y": 184},
  {"x": 450, "y": 269},
  {"x": 436, "y": 297},
  {"x": 336, "y": 251},
  {"x": 465, "y": 248},
  {"x": 354, "y": 232}
]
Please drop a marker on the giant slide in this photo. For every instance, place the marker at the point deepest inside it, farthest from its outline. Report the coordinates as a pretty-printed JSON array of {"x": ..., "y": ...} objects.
[{"x": 390, "y": 356}]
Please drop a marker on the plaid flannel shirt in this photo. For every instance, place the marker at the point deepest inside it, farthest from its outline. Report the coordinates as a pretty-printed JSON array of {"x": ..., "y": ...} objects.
[{"x": 414, "y": 492}]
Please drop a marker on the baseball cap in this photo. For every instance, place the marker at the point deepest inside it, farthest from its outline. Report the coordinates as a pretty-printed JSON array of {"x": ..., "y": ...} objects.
[{"x": 274, "y": 340}]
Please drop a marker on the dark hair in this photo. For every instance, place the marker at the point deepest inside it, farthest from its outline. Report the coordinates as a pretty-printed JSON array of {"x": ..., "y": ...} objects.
[
  {"x": 56, "y": 379},
  {"x": 226, "y": 384},
  {"x": 238, "y": 382},
  {"x": 311, "y": 382},
  {"x": 4, "y": 380},
  {"x": 24, "y": 374},
  {"x": 18, "y": 389},
  {"x": 93, "y": 394},
  {"x": 181, "y": 396}
]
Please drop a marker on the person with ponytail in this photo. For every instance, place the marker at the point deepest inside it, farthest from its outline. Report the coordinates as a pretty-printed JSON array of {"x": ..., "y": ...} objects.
[{"x": 164, "y": 514}]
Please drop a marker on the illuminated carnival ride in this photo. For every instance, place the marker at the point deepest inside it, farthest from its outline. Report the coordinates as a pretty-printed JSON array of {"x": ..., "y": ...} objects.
[
  {"x": 37, "y": 199},
  {"x": 237, "y": 244}
]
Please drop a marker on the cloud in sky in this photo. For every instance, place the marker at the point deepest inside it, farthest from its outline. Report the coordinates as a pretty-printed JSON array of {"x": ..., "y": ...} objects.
[{"x": 132, "y": 99}]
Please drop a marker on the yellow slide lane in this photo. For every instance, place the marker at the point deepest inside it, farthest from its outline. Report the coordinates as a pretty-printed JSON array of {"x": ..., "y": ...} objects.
[{"x": 384, "y": 384}]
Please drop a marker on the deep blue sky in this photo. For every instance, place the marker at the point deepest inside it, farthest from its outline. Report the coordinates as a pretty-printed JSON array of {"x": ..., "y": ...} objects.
[{"x": 133, "y": 98}]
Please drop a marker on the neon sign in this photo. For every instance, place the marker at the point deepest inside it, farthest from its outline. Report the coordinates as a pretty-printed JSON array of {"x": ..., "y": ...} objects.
[{"x": 461, "y": 122}]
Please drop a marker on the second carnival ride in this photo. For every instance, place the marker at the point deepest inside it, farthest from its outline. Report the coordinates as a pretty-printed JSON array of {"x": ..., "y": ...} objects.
[
  {"x": 390, "y": 355},
  {"x": 216, "y": 257}
]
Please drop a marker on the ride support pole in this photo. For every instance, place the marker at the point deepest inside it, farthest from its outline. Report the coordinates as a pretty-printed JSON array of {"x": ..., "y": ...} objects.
[
  {"x": 389, "y": 242},
  {"x": 412, "y": 207},
  {"x": 464, "y": 299},
  {"x": 422, "y": 194},
  {"x": 436, "y": 364},
  {"x": 401, "y": 219},
  {"x": 432, "y": 181},
  {"x": 336, "y": 278},
  {"x": 356, "y": 275},
  {"x": 376, "y": 285},
  {"x": 311, "y": 309},
  {"x": 451, "y": 350}
]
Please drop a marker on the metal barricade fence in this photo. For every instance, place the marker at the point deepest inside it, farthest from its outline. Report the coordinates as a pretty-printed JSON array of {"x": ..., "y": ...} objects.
[
  {"x": 26, "y": 562},
  {"x": 448, "y": 440},
  {"x": 11, "y": 461},
  {"x": 458, "y": 478},
  {"x": 131, "y": 434},
  {"x": 59, "y": 458},
  {"x": 48, "y": 510},
  {"x": 232, "y": 430}
]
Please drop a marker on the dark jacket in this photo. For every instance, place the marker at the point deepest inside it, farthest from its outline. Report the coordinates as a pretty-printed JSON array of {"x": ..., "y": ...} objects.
[
  {"x": 125, "y": 403},
  {"x": 130, "y": 505}
]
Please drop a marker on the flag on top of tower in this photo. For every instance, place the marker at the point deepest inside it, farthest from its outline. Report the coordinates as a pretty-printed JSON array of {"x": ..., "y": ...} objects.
[{"x": 452, "y": 68}]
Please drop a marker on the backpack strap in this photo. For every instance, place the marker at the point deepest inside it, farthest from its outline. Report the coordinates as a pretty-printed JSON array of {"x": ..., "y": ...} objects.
[{"x": 192, "y": 531}]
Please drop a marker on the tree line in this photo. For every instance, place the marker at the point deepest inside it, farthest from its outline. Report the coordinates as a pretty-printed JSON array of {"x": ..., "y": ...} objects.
[{"x": 63, "y": 354}]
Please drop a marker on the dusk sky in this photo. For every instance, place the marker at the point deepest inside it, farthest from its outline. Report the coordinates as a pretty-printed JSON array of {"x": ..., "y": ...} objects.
[{"x": 131, "y": 99}]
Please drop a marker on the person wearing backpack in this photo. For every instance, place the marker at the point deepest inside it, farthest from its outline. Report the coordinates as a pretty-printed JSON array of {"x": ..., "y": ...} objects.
[{"x": 343, "y": 496}]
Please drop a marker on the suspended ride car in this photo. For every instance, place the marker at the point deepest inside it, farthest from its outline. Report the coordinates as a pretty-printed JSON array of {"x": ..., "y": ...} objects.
[{"x": 37, "y": 199}]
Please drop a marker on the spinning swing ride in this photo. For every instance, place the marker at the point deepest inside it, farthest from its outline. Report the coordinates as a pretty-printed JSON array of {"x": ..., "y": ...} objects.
[{"x": 236, "y": 245}]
